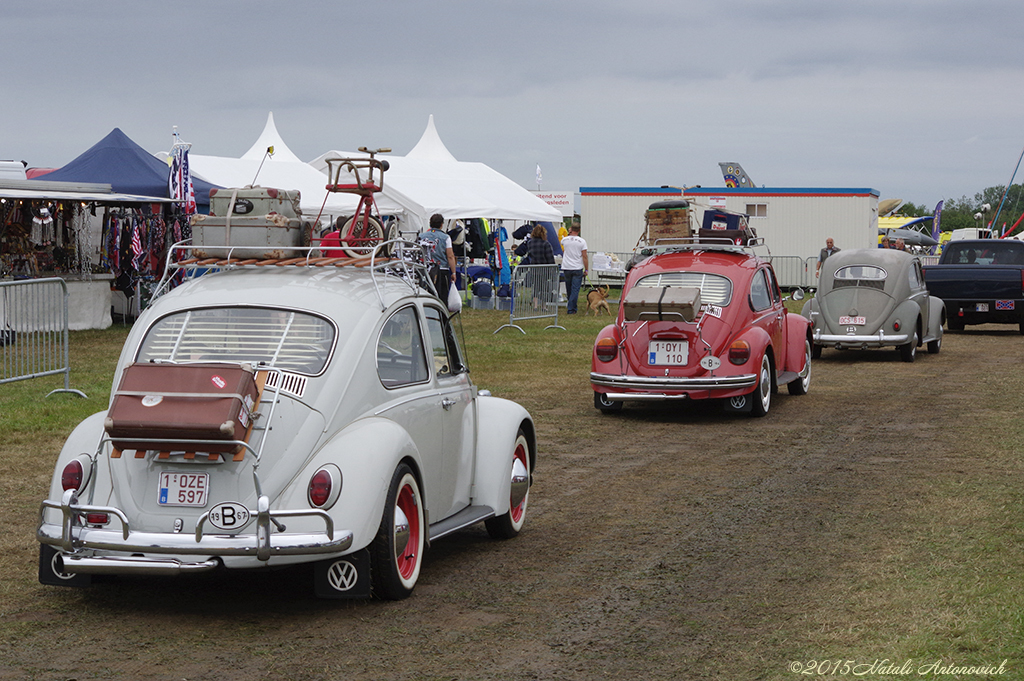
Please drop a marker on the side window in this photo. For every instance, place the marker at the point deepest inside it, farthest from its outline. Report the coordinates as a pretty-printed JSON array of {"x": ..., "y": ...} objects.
[
  {"x": 916, "y": 277},
  {"x": 444, "y": 348},
  {"x": 760, "y": 294},
  {"x": 774, "y": 286},
  {"x": 400, "y": 358}
]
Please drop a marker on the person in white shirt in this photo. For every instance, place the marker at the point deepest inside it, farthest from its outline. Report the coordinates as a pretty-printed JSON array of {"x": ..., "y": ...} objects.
[{"x": 574, "y": 265}]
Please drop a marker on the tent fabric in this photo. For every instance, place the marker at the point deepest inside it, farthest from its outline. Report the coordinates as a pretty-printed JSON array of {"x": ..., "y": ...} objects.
[
  {"x": 283, "y": 170},
  {"x": 124, "y": 165},
  {"x": 430, "y": 180}
]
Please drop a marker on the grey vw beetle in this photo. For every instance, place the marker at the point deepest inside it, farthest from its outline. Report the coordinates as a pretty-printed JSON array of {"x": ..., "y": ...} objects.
[{"x": 874, "y": 298}]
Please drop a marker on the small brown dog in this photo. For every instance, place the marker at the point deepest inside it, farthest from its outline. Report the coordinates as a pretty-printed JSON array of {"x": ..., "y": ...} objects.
[{"x": 597, "y": 300}]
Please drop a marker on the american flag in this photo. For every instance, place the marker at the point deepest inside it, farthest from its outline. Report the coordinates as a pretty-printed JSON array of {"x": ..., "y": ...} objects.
[
  {"x": 137, "y": 244},
  {"x": 179, "y": 182},
  {"x": 1004, "y": 304}
]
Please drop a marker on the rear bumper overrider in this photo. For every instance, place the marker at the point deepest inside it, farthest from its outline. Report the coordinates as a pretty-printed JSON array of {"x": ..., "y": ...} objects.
[
  {"x": 659, "y": 387},
  {"x": 77, "y": 542}
]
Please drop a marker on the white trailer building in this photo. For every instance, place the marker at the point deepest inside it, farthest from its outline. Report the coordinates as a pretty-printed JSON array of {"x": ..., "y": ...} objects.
[{"x": 793, "y": 222}]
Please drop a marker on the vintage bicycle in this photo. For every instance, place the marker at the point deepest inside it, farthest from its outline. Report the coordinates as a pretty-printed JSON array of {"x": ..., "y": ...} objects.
[{"x": 365, "y": 230}]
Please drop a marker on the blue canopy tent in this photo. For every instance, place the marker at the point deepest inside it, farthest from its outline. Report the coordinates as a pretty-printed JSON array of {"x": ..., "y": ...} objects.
[{"x": 128, "y": 168}]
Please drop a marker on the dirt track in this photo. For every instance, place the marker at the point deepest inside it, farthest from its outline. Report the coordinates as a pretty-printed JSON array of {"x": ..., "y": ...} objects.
[{"x": 660, "y": 544}]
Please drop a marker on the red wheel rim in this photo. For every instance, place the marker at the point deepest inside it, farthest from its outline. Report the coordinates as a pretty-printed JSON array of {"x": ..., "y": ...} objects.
[
  {"x": 517, "y": 511},
  {"x": 408, "y": 503}
]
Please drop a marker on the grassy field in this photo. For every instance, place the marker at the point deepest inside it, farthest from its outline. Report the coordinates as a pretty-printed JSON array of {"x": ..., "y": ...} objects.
[{"x": 932, "y": 577}]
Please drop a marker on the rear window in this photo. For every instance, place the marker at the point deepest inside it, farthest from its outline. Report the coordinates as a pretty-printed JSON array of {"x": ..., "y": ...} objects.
[
  {"x": 284, "y": 339},
  {"x": 994, "y": 253},
  {"x": 861, "y": 272},
  {"x": 714, "y": 288}
]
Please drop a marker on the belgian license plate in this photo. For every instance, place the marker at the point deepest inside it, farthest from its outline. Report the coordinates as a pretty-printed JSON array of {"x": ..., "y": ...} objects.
[
  {"x": 856, "y": 321},
  {"x": 667, "y": 353},
  {"x": 183, "y": 489},
  {"x": 981, "y": 307}
]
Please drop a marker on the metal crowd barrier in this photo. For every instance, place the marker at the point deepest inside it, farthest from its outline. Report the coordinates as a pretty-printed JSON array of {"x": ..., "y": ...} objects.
[
  {"x": 34, "y": 331},
  {"x": 791, "y": 270},
  {"x": 534, "y": 295}
]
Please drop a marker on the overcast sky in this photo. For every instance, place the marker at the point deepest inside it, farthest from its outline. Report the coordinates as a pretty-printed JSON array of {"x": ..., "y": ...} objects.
[{"x": 921, "y": 100}]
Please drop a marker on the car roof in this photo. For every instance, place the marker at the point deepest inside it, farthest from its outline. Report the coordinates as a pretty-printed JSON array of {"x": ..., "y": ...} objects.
[
  {"x": 336, "y": 292},
  {"x": 718, "y": 261},
  {"x": 883, "y": 257}
]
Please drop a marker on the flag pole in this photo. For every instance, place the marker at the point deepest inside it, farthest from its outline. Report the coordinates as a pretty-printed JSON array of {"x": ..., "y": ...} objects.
[{"x": 1007, "y": 190}]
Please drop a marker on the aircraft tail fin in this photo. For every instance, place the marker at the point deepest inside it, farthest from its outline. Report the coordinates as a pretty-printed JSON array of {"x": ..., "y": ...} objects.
[{"x": 735, "y": 176}]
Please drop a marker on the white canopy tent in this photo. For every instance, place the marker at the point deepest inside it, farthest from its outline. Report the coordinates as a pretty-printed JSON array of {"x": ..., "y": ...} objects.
[
  {"x": 430, "y": 180},
  {"x": 283, "y": 170}
]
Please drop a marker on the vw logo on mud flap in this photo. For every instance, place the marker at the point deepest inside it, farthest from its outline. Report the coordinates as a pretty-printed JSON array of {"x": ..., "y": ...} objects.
[
  {"x": 738, "y": 402},
  {"x": 342, "y": 575}
]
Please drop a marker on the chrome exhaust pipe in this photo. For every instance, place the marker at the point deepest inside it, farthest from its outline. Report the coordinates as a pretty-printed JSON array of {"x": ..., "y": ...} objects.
[{"x": 129, "y": 565}]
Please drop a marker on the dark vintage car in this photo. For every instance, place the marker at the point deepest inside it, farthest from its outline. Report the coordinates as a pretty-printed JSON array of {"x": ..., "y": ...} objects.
[
  {"x": 701, "y": 321},
  {"x": 874, "y": 298}
]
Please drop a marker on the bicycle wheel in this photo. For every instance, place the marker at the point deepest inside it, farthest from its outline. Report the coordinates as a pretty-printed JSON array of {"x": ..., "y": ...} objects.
[{"x": 364, "y": 244}]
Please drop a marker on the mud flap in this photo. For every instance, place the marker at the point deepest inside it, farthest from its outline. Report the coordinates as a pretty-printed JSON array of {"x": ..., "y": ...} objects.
[
  {"x": 741, "y": 404},
  {"x": 345, "y": 577},
  {"x": 50, "y": 574}
]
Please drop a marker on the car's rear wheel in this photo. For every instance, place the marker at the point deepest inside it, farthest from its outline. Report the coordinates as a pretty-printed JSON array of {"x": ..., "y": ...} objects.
[
  {"x": 815, "y": 351},
  {"x": 508, "y": 524},
  {"x": 606, "y": 406},
  {"x": 762, "y": 396},
  {"x": 955, "y": 323},
  {"x": 935, "y": 345},
  {"x": 803, "y": 381},
  {"x": 397, "y": 550},
  {"x": 909, "y": 350}
]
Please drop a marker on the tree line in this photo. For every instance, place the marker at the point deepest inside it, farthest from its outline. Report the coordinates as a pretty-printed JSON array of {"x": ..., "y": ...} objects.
[{"x": 960, "y": 213}]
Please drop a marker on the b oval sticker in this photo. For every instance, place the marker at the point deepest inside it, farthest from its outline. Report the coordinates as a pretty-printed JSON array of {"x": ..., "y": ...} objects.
[
  {"x": 711, "y": 363},
  {"x": 229, "y": 516}
]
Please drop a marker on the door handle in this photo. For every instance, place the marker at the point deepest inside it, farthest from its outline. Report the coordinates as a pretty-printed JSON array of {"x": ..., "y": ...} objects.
[{"x": 447, "y": 404}]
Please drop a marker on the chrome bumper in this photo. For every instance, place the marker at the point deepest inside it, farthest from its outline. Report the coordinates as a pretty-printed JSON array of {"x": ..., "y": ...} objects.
[
  {"x": 73, "y": 538},
  {"x": 653, "y": 384},
  {"x": 876, "y": 340}
]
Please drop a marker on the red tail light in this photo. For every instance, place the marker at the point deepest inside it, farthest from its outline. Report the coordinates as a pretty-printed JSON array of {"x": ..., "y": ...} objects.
[
  {"x": 97, "y": 518},
  {"x": 739, "y": 352},
  {"x": 320, "y": 488},
  {"x": 896, "y": 325},
  {"x": 606, "y": 349},
  {"x": 72, "y": 476}
]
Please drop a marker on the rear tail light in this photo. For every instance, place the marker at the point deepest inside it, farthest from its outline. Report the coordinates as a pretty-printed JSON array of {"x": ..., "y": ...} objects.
[
  {"x": 896, "y": 325},
  {"x": 324, "y": 487},
  {"x": 73, "y": 476},
  {"x": 606, "y": 349},
  {"x": 739, "y": 352}
]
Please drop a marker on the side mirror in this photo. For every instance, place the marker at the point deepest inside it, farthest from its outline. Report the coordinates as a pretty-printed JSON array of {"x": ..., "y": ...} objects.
[{"x": 797, "y": 294}]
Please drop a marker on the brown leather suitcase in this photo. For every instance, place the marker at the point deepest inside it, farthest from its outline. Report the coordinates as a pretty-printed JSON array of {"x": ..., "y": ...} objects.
[
  {"x": 661, "y": 303},
  {"x": 208, "y": 401}
]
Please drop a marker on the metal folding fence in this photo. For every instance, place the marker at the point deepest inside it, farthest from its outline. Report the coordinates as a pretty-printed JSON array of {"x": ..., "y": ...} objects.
[
  {"x": 34, "y": 331},
  {"x": 535, "y": 295}
]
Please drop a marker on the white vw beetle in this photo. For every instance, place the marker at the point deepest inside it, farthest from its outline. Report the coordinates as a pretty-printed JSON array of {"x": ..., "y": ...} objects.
[{"x": 365, "y": 439}]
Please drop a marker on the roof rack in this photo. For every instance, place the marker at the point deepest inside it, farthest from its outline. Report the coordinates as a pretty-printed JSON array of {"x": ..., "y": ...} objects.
[{"x": 397, "y": 259}]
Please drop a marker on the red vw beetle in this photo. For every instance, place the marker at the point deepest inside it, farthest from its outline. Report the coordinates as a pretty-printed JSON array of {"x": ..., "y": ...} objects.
[{"x": 701, "y": 321}]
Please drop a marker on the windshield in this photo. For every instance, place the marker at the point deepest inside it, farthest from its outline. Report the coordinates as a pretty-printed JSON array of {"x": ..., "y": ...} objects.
[
  {"x": 284, "y": 339},
  {"x": 714, "y": 288},
  {"x": 987, "y": 253}
]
